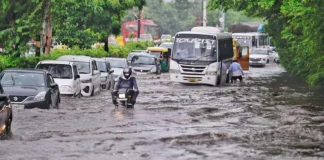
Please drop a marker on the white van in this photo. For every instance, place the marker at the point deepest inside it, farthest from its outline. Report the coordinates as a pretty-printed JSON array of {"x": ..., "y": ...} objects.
[
  {"x": 65, "y": 74},
  {"x": 89, "y": 73}
]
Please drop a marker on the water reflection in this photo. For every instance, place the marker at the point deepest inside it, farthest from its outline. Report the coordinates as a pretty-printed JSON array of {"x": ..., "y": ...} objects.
[{"x": 122, "y": 113}]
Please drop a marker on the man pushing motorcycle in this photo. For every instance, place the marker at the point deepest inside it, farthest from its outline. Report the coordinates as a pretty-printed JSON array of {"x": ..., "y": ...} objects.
[{"x": 126, "y": 82}]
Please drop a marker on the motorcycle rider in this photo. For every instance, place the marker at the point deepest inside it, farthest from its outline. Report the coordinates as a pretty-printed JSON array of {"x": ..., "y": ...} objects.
[{"x": 129, "y": 82}]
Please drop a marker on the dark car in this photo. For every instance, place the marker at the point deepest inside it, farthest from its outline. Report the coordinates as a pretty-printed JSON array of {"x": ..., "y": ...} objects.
[
  {"x": 30, "y": 88},
  {"x": 5, "y": 115}
]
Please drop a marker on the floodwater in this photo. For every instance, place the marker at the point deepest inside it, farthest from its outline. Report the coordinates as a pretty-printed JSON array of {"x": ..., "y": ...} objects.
[{"x": 272, "y": 115}]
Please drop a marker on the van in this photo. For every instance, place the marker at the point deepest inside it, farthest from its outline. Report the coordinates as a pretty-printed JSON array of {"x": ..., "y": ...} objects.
[
  {"x": 89, "y": 73},
  {"x": 65, "y": 74}
]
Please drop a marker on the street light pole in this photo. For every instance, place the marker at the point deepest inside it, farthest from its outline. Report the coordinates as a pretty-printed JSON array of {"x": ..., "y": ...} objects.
[{"x": 204, "y": 13}]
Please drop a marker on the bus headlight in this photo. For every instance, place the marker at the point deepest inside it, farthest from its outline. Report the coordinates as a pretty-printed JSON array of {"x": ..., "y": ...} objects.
[
  {"x": 211, "y": 73},
  {"x": 174, "y": 71}
]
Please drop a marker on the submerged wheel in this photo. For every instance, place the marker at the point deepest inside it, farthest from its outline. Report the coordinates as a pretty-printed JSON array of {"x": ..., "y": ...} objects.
[{"x": 92, "y": 92}]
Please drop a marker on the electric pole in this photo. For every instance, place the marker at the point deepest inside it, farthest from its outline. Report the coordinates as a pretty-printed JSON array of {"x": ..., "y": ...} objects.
[{"x": 204, "y": 13}]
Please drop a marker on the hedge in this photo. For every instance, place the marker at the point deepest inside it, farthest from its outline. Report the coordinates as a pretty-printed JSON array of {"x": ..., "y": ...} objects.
[{"x": 30, "y": 62}]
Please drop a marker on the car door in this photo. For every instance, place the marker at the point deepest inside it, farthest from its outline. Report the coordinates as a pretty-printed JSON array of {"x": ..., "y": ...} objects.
[
  {"x": 53, "y": 90},
  {"x": 96, "y": 75},
  {"x": 110, "y": 76},
  {"x": 76, "y": 82}
]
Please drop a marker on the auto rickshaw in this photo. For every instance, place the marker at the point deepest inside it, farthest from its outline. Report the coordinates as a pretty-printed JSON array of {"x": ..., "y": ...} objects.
[{"x": 163, "y": 55}]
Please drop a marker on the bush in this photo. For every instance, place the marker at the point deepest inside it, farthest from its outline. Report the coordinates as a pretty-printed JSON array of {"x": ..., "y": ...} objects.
[{"x": 30, "y": 62}]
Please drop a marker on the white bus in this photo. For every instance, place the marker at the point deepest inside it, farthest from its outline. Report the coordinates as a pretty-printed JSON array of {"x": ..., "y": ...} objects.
[
  {"x": 252, "y": 39},
  {"x": 197, "y": 56}
]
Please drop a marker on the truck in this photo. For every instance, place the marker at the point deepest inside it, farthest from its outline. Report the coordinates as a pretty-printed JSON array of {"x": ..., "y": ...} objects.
[{"x": 201, "y": 56}]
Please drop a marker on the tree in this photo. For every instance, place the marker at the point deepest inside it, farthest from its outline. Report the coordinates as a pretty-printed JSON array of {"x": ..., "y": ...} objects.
[{"x": 296, "y": 29}]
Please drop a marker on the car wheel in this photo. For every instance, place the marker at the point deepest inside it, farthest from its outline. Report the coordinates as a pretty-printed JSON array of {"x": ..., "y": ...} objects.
[
  {"x": 92, "y": 92},
  {"x": 109, "y": 85},
  {"x": 79, "y": 94},
  {"x": 268, "y": 61}
]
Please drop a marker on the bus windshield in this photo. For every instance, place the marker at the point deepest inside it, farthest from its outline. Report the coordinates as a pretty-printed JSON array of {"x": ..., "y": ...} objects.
[{"x": 194, "y": 49}]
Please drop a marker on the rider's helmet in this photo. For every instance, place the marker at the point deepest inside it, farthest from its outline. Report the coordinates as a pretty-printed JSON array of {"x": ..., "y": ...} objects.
[{"x": 127, "y": 72}]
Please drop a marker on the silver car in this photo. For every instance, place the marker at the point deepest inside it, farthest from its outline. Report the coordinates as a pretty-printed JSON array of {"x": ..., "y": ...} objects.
[
  {"x": 143, "y": 63},
  {"x": 106, "y": 72},
  {"x": 118, "y": 65}
]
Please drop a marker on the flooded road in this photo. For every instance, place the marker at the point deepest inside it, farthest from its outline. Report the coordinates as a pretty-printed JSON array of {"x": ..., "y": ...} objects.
[{"x": 270, "y": 116}]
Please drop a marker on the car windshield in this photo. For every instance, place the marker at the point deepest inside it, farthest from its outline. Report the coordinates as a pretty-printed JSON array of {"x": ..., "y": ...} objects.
[
  {"x": 155, "y": 54},
  {"x": 61, "y": 71},
  {"x": 262, "y": 52},
  {"x": 23, "y": 79},
  {"x": 166, "y": 45},
  {"x": 83, "y": 67},
  {"x": 102, "y": 66},
  {"x": 114, "y": 63},
  {"x": 194, "y": 49},
  {"x": 143, "y": 60}
]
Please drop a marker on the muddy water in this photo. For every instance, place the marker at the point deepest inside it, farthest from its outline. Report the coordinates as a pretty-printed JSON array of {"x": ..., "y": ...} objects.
[{"x": 270, "y": 116}]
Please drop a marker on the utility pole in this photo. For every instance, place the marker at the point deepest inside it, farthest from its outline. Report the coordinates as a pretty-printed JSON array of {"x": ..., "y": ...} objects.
[
  {"x": 223, "y": 24},
  {"x": 204, "y": 13}
]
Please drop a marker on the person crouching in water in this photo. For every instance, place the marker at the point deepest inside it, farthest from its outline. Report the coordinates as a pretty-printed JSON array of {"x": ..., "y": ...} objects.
[
  {"x": 126, "y": 82},
  {"x": 237, "y": 71}
]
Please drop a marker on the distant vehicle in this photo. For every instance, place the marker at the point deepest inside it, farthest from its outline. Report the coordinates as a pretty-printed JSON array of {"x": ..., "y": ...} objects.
[
  {"x": 30, "y": 88},
  {"x": 143, "y": 63},
  {"x": 201, "y": 56},
  {"x": 261, "y": 56},
  {"x": 130, "y": 28},
  {"x": 162, "y": 55},
  {"x": 166, "y": 37},
  {"x": 5, "y": 115},
  {"x": 107, "y": 79},
  {"x": 89, "y": 73},
  {"x": 118, "y": 65},
  {"x": 166, "y": 45},
  {"x": 133, "y": 53},
  {"x": 65, "y": 74},
  {"x": 146, "y": 37}
]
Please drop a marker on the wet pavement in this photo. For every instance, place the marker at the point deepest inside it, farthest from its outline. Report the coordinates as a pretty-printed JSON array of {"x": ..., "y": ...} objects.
[{"x": 272, "y": 115}]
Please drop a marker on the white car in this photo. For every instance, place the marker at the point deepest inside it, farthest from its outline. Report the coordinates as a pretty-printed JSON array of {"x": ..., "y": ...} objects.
[
  {"x": 146, "y": 37},
  {"x": 89, "y": 73},
  {"x": 261, "y": 56},
  {"x": 65, "y": 74},
  {"x": 118, "y": 65},
  {"x": 107, "y": 79},
  {"x": 166, "y": 37}
]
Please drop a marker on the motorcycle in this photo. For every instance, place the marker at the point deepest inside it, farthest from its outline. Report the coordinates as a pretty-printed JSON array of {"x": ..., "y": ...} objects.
[{"x": 124, "y": 97}]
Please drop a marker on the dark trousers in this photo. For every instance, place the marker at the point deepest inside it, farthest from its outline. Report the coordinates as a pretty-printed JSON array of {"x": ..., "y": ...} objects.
[
  {"x": 234, "y": 78},
  {"x": 129, "y": 92}
]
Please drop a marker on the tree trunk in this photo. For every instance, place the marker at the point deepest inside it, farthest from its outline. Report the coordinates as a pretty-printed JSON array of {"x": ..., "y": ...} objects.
[
  {"x": 49, "y": 33},
  {"x": 45, "y": 26}
]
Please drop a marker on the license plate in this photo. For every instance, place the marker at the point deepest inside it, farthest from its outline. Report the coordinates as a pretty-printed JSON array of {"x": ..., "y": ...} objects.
[
  {"x": 122, "y": 96},
  {"x": 18, "y": 106},
  {"x": 192, "y": 79}
]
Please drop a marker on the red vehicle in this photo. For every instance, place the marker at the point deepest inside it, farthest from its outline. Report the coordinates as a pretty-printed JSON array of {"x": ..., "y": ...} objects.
[{"x": 147, "y": 27}]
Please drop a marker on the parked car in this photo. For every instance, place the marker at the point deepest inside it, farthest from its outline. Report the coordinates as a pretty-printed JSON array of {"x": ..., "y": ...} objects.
[
  {"x": 30, "y": 88},
  {"x": 261, "y": 56},
  {"x": 166, "y": 37},
  {"x": 146, "y": 37},
  {"x": 5, "y": 115},
  {"x": 118, "y": 65},
  {"x": 89, "y": 73},
  {"x": 145, "y": 63},
  {"x": 65, "y": 74},
  {"x": 107, "y": 79},
  {"x": 168, "y": 45}
]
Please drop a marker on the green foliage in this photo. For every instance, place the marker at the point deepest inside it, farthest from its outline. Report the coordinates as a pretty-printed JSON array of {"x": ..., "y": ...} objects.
[
  {"x": 180, "y": 15},
  {"x": 30, "y": 62},
  {"x": 297, "y": 31}
]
